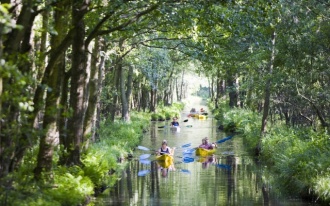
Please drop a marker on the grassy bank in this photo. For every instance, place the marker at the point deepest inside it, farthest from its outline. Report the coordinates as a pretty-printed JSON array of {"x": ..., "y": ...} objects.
[
  {"x": 297, "y": 158},
  {"x": 76, "y": 185},
  {"x": 102, "y": 164}
]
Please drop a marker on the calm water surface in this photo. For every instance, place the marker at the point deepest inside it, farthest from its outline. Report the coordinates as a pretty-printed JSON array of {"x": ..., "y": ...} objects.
[{"x": 233, "y": 178}]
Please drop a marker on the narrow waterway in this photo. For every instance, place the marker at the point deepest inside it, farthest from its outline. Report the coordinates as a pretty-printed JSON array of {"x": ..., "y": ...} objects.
[{"x": 230, "y": 178}]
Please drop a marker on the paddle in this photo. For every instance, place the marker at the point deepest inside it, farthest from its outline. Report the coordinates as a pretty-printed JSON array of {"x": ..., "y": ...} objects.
[
  {"x": 189, "y": 151},
  {"x": 188, "y": 159},
  {"x": 144, "y": 156},
  {"x": 143, "y": 148},
  {"x": 145, "y": 161},
  {"x": 186, "y": 145},
  {"x": 147, "y": 149},
  {"x": 224, "y": 139}
]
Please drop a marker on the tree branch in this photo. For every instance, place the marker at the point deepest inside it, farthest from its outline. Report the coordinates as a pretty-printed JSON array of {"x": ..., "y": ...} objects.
[
  {"x": 128, "y": 22},
  {"x": 318, "y": 112}
]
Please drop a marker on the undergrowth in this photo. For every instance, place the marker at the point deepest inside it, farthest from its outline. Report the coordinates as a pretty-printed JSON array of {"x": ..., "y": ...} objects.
[
  {"x": 74, "y": 185},
  {"x": 297, "y": 158},
  {"x": 167, "y": 112}
]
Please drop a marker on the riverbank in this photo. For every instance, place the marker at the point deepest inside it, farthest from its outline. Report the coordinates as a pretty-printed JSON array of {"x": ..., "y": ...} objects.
[
  {"x": 102, "y": 166},
  {"x": 297, "y": 158}
]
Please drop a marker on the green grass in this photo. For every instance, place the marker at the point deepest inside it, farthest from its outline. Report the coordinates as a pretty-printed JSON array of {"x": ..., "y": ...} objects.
[{"x": 297, "y": 158}]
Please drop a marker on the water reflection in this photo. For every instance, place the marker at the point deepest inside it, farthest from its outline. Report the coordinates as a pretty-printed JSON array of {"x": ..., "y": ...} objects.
[
  {"x": 207, "y": 161},
  {"x": 228, "y": 177}
]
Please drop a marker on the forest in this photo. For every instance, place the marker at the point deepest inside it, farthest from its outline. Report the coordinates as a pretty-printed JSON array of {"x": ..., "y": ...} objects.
[{"x": 69, "y": 66}]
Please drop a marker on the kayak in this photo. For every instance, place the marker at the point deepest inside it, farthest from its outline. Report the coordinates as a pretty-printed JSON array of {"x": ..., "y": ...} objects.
[
  {"x": 204, "y": 152},
  {"x": 201, "y": 117},
  {"x": 165, "y": 160},
  {"x": 193, "y": 115},
  {"x": 164, "y": 157}
]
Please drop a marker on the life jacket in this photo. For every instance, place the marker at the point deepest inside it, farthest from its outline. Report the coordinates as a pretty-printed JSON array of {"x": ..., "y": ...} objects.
[
  {"x": 206, "y": 146},
  {"x": 167, "y": 151},
  {"x": 175, "y": 123}
]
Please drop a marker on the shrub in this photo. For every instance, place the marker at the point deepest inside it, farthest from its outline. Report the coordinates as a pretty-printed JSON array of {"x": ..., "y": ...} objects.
[
  {"x": 154, "y": 117},
  {"x": 72, "y": 186}
]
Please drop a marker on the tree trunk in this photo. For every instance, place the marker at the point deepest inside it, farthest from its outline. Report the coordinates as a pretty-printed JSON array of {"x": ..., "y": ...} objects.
[
  {"x": 92, "y": 88},
  {"x": 124, "y": 101},
  {"x": 43, "y": 45},
  {"x": 64, "y": 109},
  {"x": 115, "y": 90},
  {"x": 172, "y": 90},
  {"x": 249, "y": 93},
  {"x": 144, "y": 97},
  {"x": 16, "y": 37},
  {"x": 13, "y": 143},
  {"x": 181, "y": 85},
  {"x": 126, "y": 95},
  {"x": 267, "y": 94},
  {"x": 101, "y": 76},
  {"x": 268, "y": 88},
  {"x": 50, "y": 138},
  {"x": 177, "y": 89},
  {"x": 219, "y": 89},
  {"x": 75, "y": 123},
  {"x": 153, "y": 99},
  {"x": 233, "y": 96}
]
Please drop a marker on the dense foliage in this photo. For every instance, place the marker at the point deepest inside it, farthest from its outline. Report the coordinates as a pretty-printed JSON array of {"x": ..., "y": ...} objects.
[
  {"x": 295, "y": 159},
  {"x": 102, "y": 163},
  {"x": 68, "y": 65}
]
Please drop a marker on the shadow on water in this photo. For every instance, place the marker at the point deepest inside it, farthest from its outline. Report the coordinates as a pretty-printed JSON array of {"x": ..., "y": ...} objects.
[{"x": 229, "y": 177}]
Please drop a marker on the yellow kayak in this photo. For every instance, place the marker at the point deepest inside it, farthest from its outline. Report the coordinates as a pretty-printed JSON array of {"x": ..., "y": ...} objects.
[
  {"x": 201, "y": 117},
  {"x": 165, "y": 160},
  {"x": 205, "y": 152},
  {"x": 164, "y": 157}
]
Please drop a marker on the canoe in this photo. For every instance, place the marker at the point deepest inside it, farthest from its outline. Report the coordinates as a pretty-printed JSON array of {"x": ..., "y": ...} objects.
[
  {"x": 165, "y": 160},
  {"x": 204, "y": 152}
]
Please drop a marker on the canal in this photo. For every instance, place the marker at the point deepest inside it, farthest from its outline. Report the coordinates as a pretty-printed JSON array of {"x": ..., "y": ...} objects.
[{"x": 231, "y": 177}]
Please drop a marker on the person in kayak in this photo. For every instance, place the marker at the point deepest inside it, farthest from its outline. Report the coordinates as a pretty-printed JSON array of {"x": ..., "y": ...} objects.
[
  {"x": 206, "y": 145},
  {"x": 164, "y": 149},
  {"x": 175, "y": 122}
]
